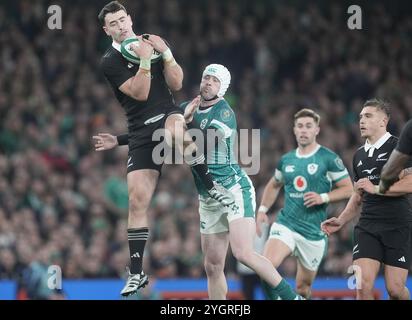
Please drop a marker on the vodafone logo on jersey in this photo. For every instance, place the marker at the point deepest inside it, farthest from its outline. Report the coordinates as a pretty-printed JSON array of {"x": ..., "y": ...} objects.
[{"x": 300, "y": 183}]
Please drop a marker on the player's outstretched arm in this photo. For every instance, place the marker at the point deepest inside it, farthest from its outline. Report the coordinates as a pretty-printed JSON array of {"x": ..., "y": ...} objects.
[
  {"x": 351, "y": 210},
  {"x": 105, "y": 141},
  {"x": 269, "y": 197}
]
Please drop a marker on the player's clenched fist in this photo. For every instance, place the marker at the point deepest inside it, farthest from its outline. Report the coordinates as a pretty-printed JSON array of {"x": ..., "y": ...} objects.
[{"x": 156, "y": 42}]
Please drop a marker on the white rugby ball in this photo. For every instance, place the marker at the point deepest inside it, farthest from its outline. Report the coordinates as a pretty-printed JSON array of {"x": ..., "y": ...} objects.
[{"x": 131, "y": 56}]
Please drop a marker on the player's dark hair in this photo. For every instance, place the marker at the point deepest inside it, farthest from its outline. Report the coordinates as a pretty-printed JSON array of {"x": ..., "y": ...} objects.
[
  {"x": 111, "y": 7},
  {"x": 306, "y": 112},
  {"x": 379, "y": 104}
]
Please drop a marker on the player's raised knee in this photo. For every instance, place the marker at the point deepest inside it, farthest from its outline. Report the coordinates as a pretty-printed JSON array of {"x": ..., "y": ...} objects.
[{"x": 176, "y": 125}]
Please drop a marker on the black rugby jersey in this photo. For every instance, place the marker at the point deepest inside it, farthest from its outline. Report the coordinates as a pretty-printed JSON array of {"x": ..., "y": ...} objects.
[
  {"x": 117, "y": 70},
  {"x": 405, "y": 140},
  {"x": 368, "y": 162}
]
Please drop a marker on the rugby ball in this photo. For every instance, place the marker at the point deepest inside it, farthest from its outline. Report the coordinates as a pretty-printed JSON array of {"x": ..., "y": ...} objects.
[{"x": 131, "y": 56}]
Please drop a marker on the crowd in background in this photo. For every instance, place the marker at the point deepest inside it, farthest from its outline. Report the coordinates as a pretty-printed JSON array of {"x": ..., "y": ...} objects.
[{"x": 63, "y": 203}]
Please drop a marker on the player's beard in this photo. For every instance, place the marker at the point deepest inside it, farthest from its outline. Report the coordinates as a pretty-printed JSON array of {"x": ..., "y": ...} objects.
[{"x": 207, "y": 95}]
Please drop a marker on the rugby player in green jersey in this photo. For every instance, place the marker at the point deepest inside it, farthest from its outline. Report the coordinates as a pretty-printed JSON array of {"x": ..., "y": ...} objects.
[{"x": 307, "y": 175}]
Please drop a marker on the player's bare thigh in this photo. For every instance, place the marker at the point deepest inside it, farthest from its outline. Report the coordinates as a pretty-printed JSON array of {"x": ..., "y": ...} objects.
[
  {"x": 176, "y": 129},
  {"x": 241, "y": 234},
  {"x": 276, "y": 251}
]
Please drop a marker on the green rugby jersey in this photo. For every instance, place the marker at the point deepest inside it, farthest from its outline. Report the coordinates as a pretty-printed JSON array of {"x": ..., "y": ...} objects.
[
  {"x": 299, "y": 174},
  {"x": 221, "y": 158}
]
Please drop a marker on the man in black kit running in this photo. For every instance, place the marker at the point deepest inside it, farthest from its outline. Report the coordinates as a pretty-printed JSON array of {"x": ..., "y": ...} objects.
[
  {"x": 383, "y": 233},
  {"x": 144, "y": 91},
  {"x": 398, "y": 159}
]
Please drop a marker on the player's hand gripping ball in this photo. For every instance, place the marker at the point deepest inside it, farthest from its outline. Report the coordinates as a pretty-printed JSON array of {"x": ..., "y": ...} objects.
[{"x": 131, "y": 56}]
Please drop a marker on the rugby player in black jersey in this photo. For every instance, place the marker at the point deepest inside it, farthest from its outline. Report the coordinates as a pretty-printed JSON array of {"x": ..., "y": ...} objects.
[
  {"x": 144, "y": 91},
  {"x": 383, "y": 233}
]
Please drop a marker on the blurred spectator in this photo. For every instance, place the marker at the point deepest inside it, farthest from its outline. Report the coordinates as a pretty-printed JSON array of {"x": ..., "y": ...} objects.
[{"x": 37, "y": 279}]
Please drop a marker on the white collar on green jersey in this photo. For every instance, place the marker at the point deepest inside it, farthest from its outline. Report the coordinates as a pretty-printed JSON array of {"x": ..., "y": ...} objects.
[
  {"x": 298, "y": 155},
  {"x": 378, "y": 143},
  {"x": 116, "y": 46}
]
